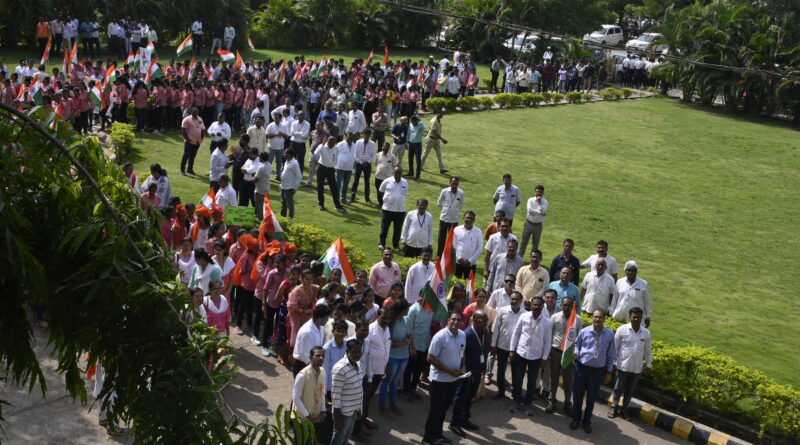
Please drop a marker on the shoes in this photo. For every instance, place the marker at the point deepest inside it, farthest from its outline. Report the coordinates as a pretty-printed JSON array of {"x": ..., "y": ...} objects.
[
  {"x": 239, "y": 331},
  {"x": 396, "y": 409},
  {"x": 369, "y": 201},
  {"x": 444, "y": 440},
  {"x": 380, "y": 247},
  {"x": 551, "y": 406},
  {"x": 321, "y": 208},
  {"x": 370, "y": 424},
  {"x": 514, "y": 407},
  {"x": 352, "y": 198},
  {"x": 623, "y": 414},
  {"x": 529, "y": 410},
  {"x": 255, "y": 341},
  {"x": 469, "y": 425},
  {"x": 587, "y": 428},
  {"x": 612, "y": 413},
  {"x": 183, "y": 173},
  {"x": 443, "y": 171},
  {"x": 573, "y": 425},
  {"x": 341, "y": 209},
  {"x": 191, "y": 172},
  {"x": 265, "y": 352},
  {"x": 497, "y": 396},
  {"x": 416, "y": 395},
  {"x": 568, "y": 408},
  {"x": 457, "y": 430}
]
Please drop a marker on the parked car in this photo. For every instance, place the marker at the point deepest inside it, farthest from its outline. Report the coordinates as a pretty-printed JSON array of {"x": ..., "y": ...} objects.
[
  {"x": 614, "y": 65},
  {"x": 607, "y": 35},
  {"x": 521, "y": 43},
  {"x": 645, "y": 41}
]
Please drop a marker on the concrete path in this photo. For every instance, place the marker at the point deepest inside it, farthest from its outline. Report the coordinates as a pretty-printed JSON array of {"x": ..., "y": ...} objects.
[{"x": 263, "y": 384}]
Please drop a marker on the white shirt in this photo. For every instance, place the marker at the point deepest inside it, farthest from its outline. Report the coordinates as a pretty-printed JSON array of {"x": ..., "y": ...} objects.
[
  {"x": 222, "y": 128},
  {"x": 356, "y": 122},
  {"x": 364, "y": 152},
  {"x": 258, "y": 137},
  {"x": 611, "y": 262},
  {"x": 219, "y": 165},
  {"x": 250, "y": 168},
  {"x": 299, "y": 131},
  {"x": 291, "y": 175},
  {"x": 418, "y": 229},
  {"x": 384, "y": 165},
  {"x": 633, "y": 348},
  {"x": 229, "y": 33},
  {"x": 450, "y": 204},
  {"x": 326, "y": 156},
  {"x": 394, "y": 194},
  {"x": 380, "y": 342},
  {"x": 262, "y": 178},
  {"x": 276, "y": 143},
  {"x": 503, "y": 328},
  {"x": 297, "y": 393},
  {"x": 418, "y": 274},
  {"x": 226, "y": 196},
  {"x": 308, "y": 336},
  {"x": 507, "y": 200},
  {"x": 467, "y": 243},
  {"x": 532, "y": 337},
  {"x": 600, "y": 291},
  {"x": 345, "y": 155},
  {"x": 630, "y": 296},
  {"x": 536, "y": 211},
  {"x": 499, "y": 299},
  {"x": 453, "y": 85},
  {"x": 498, "y": 245},
  {"x": 197, "y": 28}
]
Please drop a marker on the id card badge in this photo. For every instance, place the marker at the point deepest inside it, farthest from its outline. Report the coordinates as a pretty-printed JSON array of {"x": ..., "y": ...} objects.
[{"x": 481, "y": 359}]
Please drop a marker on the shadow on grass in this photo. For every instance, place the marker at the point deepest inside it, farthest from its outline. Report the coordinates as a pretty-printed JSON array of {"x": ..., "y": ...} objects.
[{"x": 737, "y": 115}]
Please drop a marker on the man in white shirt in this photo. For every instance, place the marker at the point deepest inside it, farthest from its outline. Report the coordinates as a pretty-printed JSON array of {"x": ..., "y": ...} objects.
[
  {"x": 345, "y": 158},
  {"x": 530, "y": 348},
  {"x": 467, "y": 242},
  {"x": 364, "y": 154},
  {"x": 219, "y": 131},
  {"x": 502, "y": 265},
  {"x": 299, "y": 131},
  {"x": 632, "y": 291},
  {"x": 507, "y": 199},
  {"x": 395, "y": 191},
  {"x": 560, "y": 321},
  {"x": 534, "y": 217},
  {"x": 602, "y": 252},
  {"x": 276, "y": 138},
  {"x": 310, "y": 384},
  {"x": 496, "y": 245},
  {"x": 356, "y": 122},
  {"x": 380, "y": 344},
  {"x": 453, "y": 85},
  {"x": 450, "y": 203},
  {"x": 419, "y": 274},
  {"x": 258, "y": 134},
  {"x": 261, "y": 180},
  {"x": 249, "y": 169},
  {"x": 197, "y": 37},
  {"x": 417, "y": 230},
  {"x": 634, "y": 357},
  {"x": 326, "y": 171},
  {"x": 219, "y": 164},
  {"x": 290, "y": 182},
  {"x": 228, "y": 35},
  {"x": 309, "y": 335},
  {"x": 501, "y": 296},
  {"x": 598, "y": 289},
  {"x": 502, "y": 330},
  {"x": 226, "y": 195}
]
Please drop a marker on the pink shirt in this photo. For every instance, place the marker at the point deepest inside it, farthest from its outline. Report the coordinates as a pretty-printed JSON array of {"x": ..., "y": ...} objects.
[
  {"x": 248, "y": 262},
  {"x": 269, "y": 287},
  {"x": 249, "y": 100},
  {"x": 200, "y": 97},
  {"x": 194, "y": 130},
  {"x": 175, "y": 97},
  {"x": 228, "y": 99},
  {"x": 160, "y": 97},
  {"x": 122, "y": 94},
  {"x": 140, "y": 98},
  {"x": 187, "y": 98},
  {"x": 382, "y": 277},
  {"x": 238, "y": 97}
]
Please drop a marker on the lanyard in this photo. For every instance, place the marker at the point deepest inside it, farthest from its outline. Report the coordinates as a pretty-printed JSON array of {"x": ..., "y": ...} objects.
[{"x": 421, "y": 222}]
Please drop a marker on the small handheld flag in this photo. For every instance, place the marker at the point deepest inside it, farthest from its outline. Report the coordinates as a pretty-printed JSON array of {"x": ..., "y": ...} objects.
[{"x": 250, "y": 44}]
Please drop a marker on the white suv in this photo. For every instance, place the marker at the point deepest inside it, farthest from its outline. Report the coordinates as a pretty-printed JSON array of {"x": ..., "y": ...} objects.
[
  {"x": 608, "y": 35},
  {"x": 645, "y": 42}
]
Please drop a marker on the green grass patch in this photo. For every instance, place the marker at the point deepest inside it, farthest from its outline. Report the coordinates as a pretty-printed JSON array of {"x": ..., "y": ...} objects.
[{"x": 705, "y": 202}]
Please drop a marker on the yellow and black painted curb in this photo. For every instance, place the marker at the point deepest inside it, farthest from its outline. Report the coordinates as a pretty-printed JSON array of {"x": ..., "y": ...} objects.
[{"x": 679, "y": 426}]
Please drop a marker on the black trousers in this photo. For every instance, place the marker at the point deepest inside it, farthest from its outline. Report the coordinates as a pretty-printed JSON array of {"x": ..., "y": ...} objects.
[
  {"x": 189, "y": 153},
  {"x": 359, "y": 170},
  {"x": 495, "y": 75},
  {"x": 389, "y": 218},
  {"x": 245, "y": 308},
  {"x": 444, "y": 228},
  {"x": 502, "y": 364},
  {"x": 414, "y": 370},
  {"x": 463, "y": 272},
  {"x": 441, "y": 395},
  {"x": 297, "y": 367},
  {"x": 378, "y": 183},
  {"x": 246, "y": 190},
  {"x": 462, "y": 402},
  {"x": 300, "y": 154},
  {"x": 412, "y": 252},
  {"x": 329, "y": 174}
]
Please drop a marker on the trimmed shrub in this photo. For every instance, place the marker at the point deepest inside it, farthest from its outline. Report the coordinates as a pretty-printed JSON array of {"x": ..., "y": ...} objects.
[
  {"x": 536, "y": 99},
  {"x": 468, "y": 103},
  {"x": 130, "y": 112},
  {"x": 574, "y": 97},
  {"x": 527, "y": 99},
  {"x": 557, "y": 98},
  {"x": 651, "y": 90},
  {"x": 503, "y": 99},
  {"x": 486, "y": 102},
  {"x": 617, "y": 94},
  {"x": 122, "y": 137},
  {"x": 626, "y": 92},
  {"x": 404, "y": 263},
  {"x": 587, "y": 97},
  {"x": 547, "y": 96},
  {"x": 437, "y": 103},
  {"x": 487, "y": 82},
  {"x": 608, "y": 93},
  {"x": 514, "y": 100},
  {"x": 315, "y": 241},
  {"x": 778, "y": 410}
]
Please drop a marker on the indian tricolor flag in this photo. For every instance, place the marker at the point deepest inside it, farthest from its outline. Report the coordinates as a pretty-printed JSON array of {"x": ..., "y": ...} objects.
[
  {"x": 369, "y": 58},
  {"x": 129, "y": 59},
  {"x": 323, "y": 66},
  {"x": 249, "y": 43},
  {"x": 385, "y": 55},
  {"x": 185, "y": 46},
  {"x": 226, "y": 56},
  {"x": 239, "y": 62},
  {"x": 209, "y": 200},
  {"x": 67, "y": 66},
  {"x": 571, "y": 333},
  {"x": 282, "y": 74},
  {"x": 96, "y": 95},
  {"x": 271, "y": 227},
  {"x": 110, "y": 77},
  {"x": 153, "y": 72},
  {"x": 434, "y": 292},
  {"x": 46, "y": 51},
  {"x": 336, "y": 258},
  {"x": 74, "y": 54}
]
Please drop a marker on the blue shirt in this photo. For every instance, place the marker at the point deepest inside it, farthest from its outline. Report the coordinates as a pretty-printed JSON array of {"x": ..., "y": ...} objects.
[
  {"x": 570, "y": 290},
  {"x": 595, "y": 349},
  {"x": 476, "y": 351},
  {"x": 419, "y": 321},
  {"x": 399, "y": 332},
  {"x": 401, "y": 131},
  {"x": 333, "y": 354},
  {"x": 324, "y": 113},
  {"x": 415, "y": 133},
  {"x": 448, "y": 348}
]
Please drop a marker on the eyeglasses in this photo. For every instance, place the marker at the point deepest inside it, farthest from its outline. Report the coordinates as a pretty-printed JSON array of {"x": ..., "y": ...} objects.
[{"x": 509, "y": 281}]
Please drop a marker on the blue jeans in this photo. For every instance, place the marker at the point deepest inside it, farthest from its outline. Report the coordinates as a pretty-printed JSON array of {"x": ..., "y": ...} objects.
[
  {"x": 586, "y": 381},
  {"x": 340, "y": 437},
  {"x": 519, "y": 363},
  {"x": 276, "y": 159},
  {"x": 391, "y": 381},
  {"x": 414, "y": 154},
  {"x": 342, "y": 181}
]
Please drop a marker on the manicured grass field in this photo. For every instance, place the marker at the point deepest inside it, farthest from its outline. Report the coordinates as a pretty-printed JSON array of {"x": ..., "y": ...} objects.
[{"x": 706, "y": 203}]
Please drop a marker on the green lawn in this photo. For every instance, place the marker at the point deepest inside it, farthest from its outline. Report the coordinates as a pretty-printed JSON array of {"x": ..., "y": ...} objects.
[{"x": 705, "y": 202}]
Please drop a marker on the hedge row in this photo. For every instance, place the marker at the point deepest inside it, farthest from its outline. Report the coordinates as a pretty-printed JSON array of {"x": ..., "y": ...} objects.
[{"x": 704, "y": 378}]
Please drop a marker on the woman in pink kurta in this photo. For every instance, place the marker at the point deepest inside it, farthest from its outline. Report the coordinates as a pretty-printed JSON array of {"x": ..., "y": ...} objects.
[
  {"x": 218, "y": 311},
  {"x": 301, "y": 303}
]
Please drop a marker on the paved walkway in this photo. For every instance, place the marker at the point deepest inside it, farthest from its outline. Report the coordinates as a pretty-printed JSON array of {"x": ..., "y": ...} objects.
[{"x": 263, "y": 384}]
